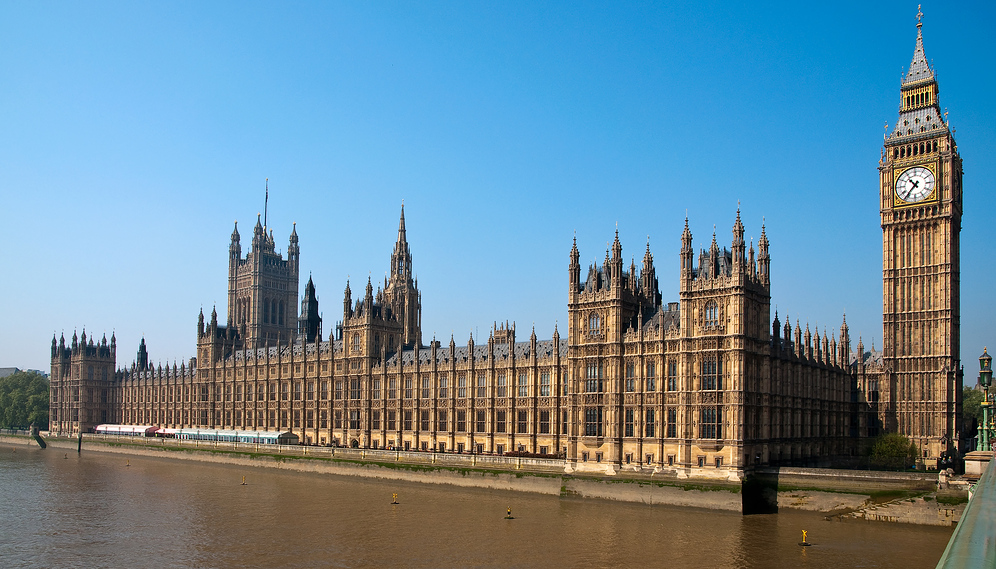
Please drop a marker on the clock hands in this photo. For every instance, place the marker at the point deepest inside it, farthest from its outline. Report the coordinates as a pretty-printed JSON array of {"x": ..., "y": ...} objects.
[{"x": 912, "y": 185}]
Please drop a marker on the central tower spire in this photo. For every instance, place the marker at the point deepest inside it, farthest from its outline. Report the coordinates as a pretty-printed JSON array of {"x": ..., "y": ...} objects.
[
  {"x": 401, "y": 258},
  {"x": 401, "y": 292}
]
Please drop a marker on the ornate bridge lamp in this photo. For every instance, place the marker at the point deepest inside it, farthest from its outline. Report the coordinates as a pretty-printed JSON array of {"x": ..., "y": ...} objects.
[{"x": 987, "y": 430}]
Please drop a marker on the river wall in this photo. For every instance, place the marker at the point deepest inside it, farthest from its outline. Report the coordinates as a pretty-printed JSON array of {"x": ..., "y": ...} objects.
[{"x": 842, "y": 494}]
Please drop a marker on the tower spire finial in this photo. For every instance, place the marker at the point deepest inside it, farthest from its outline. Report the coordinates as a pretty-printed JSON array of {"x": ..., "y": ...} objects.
[
  {"x": 919, "y": 16},
  {"x": 266, "y": 201}
]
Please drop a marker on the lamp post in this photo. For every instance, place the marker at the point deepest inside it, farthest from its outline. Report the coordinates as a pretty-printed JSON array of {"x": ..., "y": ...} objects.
[{"x": 987, "y": 430}]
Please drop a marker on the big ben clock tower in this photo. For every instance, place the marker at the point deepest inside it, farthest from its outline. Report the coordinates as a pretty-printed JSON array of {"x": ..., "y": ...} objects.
[{"x": 920, "y": 195}]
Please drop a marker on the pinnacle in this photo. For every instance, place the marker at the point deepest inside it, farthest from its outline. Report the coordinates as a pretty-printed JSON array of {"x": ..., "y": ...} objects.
[{"x": 919, "y": 67}]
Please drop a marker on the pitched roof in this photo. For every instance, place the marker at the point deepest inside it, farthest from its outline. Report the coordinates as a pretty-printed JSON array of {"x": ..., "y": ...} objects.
[{"x": 920, "y": 69}]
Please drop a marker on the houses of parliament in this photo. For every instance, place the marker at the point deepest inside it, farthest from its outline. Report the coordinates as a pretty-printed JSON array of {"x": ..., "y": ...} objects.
[{"x": 713, "y": 384}]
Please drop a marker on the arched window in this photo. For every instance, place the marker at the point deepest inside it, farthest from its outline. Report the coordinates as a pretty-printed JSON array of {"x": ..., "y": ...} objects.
[
  {"x": 711, "y": 313},
  {"x": 266, "y": 312},
  {"x": 356, "y": 342},
  {"x": 594, "y": 323},
  {"x": 281, "y": 313}
]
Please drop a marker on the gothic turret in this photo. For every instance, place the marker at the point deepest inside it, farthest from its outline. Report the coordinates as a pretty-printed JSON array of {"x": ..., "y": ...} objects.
[
  {"x": 845, "y": 341},
  {"x": 687, "y": 270},
  {"x": 738, "y": 245},
  {"x": 258, "y": 234},
  {"x": 347, "y": 301},
  {"x": 751, "y": 266},
  {"x": 776, "y": 341},
  {"x": 309, "y": 324},
  {"x": 713, "y": 257},
  {"x": 574, "y": 269},
  {"x": 649, "y": 287},
  {"x": 142, "y": 357},
  {"x": 763, "y": 261},
  {"x": 235, "y": 249},
  {"x": 617, "y": 262},
  {"x": 293, "y": 250},
  {"x": 401, "y": 294}
]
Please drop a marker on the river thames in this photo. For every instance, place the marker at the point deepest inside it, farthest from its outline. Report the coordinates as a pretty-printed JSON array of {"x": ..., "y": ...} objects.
[{"x": 107, "y": 510}]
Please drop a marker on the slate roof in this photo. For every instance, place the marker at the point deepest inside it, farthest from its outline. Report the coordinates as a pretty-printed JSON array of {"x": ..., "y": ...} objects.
[
  {"x": 920, "y": 121},
  {"x": 663, "y": 319},
  {"x": 871, "y": 357},
  {"x": 920, "y": 69}
]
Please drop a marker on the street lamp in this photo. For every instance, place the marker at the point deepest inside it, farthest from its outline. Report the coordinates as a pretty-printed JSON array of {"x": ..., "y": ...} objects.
[{"x": 986, "y": 429}]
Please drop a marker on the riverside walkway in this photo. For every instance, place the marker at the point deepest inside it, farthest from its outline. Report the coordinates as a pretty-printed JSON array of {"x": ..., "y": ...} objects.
[{"x": 973, "y": 543}]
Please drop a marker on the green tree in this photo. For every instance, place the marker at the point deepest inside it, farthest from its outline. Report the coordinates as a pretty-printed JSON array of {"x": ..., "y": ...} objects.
[
  {"x": 23, "y": 400},
  {"x": 971, "y": 408},
  {"x": 893, "y": 451}
]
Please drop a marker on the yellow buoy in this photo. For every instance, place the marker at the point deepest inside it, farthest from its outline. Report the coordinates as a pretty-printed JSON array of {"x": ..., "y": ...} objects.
[
  {"x": 243, "y": 481},
  {"x": 394, "y": 498}
]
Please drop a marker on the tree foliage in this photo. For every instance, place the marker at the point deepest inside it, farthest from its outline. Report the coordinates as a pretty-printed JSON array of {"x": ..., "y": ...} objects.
[
  {"x": 23, "y": 400},
  {"x": 971, "y": 404},
  {"x": 893, "y": 451}
]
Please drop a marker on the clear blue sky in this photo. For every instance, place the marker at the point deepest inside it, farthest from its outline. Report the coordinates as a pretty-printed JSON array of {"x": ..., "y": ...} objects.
[{"x": 133, "y": 135}]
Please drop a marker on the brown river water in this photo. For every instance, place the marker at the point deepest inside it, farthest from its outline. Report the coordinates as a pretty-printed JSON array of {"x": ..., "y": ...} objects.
[{"x": 107, "y": 510}]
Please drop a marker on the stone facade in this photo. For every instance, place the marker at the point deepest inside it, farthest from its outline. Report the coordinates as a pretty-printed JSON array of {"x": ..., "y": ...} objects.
[
  {"x": 711, "y": 385},
  {"x": 694, "y": 385},
  {"x": 914, "y": 385},
  {"x": 85, "y": 387}
]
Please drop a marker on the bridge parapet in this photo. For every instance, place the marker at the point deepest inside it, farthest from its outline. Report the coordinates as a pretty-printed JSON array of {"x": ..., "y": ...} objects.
[{"x": 973, "y": 543}]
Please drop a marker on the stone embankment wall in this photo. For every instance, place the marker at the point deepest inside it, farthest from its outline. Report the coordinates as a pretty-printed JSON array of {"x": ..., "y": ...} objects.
[
  {"x": 850, "y": 493},
  {"x": 859, "y": 481},
  {"x": 499, "y": 473}
]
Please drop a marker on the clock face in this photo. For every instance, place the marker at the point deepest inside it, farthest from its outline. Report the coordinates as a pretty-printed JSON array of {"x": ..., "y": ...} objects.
[{"x": 915, "y": 184}]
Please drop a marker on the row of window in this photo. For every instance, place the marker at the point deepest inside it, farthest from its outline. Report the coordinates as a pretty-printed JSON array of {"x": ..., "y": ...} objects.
[
  {"x": 358, "y": 343},
  {"x": 916, "y": 99},
  {"x": 914, "y": 249},
  {"x": 77, "y": 372},
  {"x": 914, "y": 149},
  {"x": 710, "y": 424},
  {"x": 711, "y": 379},
  {"x": 273, "y": 311}
]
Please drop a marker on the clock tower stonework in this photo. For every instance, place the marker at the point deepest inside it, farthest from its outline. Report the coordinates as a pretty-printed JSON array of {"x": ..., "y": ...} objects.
[{"x": 921, "y": 204}]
